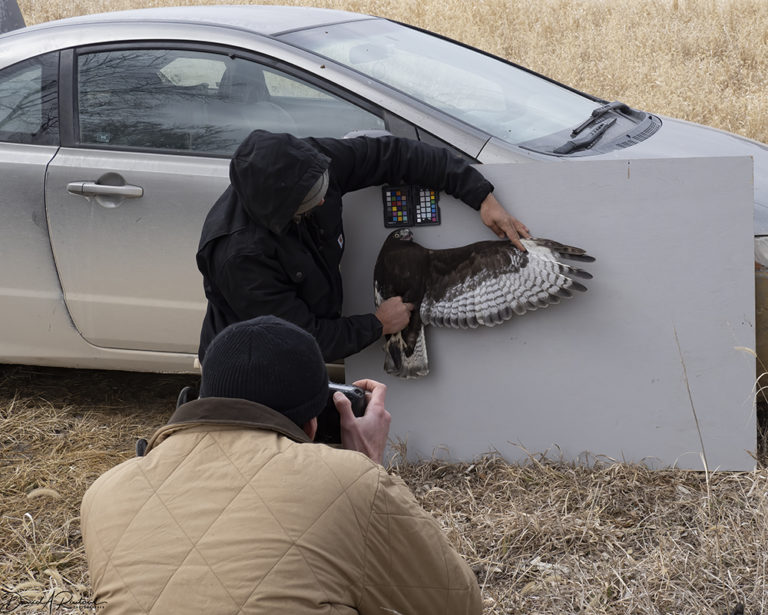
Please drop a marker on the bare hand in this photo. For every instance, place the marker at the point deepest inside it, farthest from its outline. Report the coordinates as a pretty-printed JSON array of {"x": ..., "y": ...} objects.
[
  {"x": 367, "y": 434},
  {"x": 394, "y": 314},
  {"x": 496, "y": 218}
]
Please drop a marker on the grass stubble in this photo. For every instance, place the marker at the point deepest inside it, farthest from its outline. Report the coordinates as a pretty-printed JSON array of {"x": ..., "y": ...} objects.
[{"x": 543, "y": 536}]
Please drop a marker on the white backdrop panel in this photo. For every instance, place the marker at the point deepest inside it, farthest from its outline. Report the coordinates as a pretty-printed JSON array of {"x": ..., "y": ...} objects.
[{"x": 601, "y": 373}]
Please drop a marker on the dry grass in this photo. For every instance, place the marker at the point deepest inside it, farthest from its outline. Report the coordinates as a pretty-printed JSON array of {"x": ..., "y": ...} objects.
[
  {"x": 59, "y": 430},
  {"x": 549, "y": 537},
  {"x": 701, "y": 60},
  {"x": 543, "y": 537}
]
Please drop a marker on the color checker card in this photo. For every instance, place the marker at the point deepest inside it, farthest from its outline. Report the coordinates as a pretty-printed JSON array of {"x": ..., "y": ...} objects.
[
  {"x": 410, "y": 206},
  {"x": 396, "y": 206},
  {"x": 427, "y": 211}
]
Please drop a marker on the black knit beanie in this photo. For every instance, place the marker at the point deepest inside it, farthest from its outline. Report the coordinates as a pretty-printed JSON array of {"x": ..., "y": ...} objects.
[{"x": 269, "y": 361}]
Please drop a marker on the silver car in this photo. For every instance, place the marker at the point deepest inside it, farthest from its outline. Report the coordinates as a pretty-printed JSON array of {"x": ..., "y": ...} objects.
[{"x": 116, "y": 131}]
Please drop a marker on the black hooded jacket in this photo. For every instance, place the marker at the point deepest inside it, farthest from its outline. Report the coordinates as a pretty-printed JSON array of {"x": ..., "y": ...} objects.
[{"x": 256, "y": 260}]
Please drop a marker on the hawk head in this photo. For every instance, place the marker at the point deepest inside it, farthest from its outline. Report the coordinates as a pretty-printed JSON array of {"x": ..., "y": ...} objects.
[{"x": 401, "y": 234}]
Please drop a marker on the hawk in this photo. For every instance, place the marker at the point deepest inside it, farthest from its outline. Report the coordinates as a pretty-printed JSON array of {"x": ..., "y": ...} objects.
[{"x": 483, "y": 283}]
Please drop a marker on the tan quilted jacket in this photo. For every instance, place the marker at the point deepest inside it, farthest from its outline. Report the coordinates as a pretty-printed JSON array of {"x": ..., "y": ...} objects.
[{"x": 232, "y": 511}]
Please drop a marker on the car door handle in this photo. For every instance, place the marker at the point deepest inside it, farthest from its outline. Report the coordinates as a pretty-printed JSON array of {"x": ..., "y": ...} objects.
[{"x": 93, "y": 189}]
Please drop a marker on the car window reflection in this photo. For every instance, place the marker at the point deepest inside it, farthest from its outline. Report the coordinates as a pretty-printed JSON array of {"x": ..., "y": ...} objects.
[
  {"x": 28, "y": 102},
  {"x": 491, "y": 94},
  {"x": 190, "y": 101}
]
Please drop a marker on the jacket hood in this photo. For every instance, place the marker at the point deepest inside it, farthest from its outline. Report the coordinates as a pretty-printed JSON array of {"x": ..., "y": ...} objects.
[{"x": 272, "y": 173}]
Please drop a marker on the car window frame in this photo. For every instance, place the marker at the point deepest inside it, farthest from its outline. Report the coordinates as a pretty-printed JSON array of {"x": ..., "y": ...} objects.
[{"x": 69, "y": 120}]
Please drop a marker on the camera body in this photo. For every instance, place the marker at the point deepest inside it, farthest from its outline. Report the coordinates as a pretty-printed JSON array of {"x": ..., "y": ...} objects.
[
  {"x": 328, "y": 423},
  {"x": 355, "y": 395}
]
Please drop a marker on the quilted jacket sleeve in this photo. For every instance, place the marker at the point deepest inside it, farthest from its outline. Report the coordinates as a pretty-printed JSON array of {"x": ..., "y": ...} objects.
[{"x": 410, "y": 568}]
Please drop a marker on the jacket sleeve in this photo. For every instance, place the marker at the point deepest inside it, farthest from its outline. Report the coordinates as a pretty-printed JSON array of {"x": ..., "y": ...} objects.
[
  {"x": 255, "y": 285},
  {"x": 366, "y": 161},
  {"x": 409, "y": 565}
]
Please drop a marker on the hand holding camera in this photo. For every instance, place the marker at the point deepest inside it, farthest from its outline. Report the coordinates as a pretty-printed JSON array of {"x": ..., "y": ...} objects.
[
  {"x": 354, "y": 394},
  {"x": 367, "y": 433}
]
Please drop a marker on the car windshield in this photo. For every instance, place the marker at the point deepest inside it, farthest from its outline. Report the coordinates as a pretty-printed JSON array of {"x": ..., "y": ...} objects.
[{"x": 483, "y": 91}]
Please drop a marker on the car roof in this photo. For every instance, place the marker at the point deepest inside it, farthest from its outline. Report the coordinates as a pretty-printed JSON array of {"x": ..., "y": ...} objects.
[{"x": 265, "y": 20}]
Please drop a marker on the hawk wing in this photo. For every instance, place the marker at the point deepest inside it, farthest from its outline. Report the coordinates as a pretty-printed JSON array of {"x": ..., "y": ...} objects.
[{"x": 488, "y": 282}]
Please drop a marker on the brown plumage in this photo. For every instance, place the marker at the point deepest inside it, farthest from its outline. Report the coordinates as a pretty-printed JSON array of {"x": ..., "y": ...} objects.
[{"x": 483, "y": 283}]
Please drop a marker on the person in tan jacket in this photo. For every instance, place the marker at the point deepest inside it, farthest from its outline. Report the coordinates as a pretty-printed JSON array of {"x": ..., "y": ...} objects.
[{"x": 234, "y": 510}]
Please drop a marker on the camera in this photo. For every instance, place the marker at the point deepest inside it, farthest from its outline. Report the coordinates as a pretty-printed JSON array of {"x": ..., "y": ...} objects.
[
  {"x": 355, "y": 395},
  {"x": 328, "y": 424}
]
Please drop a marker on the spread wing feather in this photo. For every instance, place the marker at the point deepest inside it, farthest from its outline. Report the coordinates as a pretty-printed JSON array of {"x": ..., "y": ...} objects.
[{"x": 489, "y": 282}]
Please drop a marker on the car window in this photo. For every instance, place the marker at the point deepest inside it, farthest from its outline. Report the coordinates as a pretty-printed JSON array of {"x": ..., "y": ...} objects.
[
  {"x": 29, "y": 101},
  {"x": 483, "y": 91},
  {"x": 193, "y": 101}
]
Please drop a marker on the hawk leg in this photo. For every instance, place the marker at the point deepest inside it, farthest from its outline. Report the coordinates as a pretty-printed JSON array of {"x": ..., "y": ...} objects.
[{"x": 405, "y": 353}]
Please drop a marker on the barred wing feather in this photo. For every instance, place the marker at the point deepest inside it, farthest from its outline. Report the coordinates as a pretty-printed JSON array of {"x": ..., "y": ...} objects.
[{"x": 492, "y": 281}]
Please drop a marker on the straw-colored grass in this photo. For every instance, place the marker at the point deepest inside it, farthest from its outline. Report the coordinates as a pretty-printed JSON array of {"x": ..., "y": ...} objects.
[
  {"x": 59, "y": 430},
  {"x": 544, "y": 537}
]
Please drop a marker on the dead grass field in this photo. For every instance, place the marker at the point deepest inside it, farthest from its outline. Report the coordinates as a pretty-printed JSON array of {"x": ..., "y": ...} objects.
[{"x": 544, "y": 537}]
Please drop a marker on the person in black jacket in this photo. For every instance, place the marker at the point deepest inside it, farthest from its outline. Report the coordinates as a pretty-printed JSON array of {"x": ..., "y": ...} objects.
[{"x": 273, "y": 242}]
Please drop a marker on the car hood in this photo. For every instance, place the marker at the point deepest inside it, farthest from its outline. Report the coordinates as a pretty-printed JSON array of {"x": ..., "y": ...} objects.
[{"x": 678, "y": 138}]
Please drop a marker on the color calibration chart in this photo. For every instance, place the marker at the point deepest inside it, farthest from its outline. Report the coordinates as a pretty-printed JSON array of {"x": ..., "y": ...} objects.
[{"x": 410, "y": 206}]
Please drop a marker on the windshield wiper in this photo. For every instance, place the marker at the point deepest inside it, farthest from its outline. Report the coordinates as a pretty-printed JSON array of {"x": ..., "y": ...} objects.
[
  {"x": 587, "y": 139},
  {"x": 599, "y": 112}
]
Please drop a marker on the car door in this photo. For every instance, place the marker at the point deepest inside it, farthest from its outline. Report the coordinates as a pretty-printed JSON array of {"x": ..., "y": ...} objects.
[
  {"x": 153, "y": 129},
  {"x": 29, "y": 137}
]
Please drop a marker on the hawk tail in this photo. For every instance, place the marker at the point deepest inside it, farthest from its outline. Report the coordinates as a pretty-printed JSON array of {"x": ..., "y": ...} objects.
[{"x": 404, "y": 362}]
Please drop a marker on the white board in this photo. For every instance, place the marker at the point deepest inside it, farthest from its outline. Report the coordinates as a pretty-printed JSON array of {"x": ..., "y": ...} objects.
[{"x": 600, "y": 374}]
